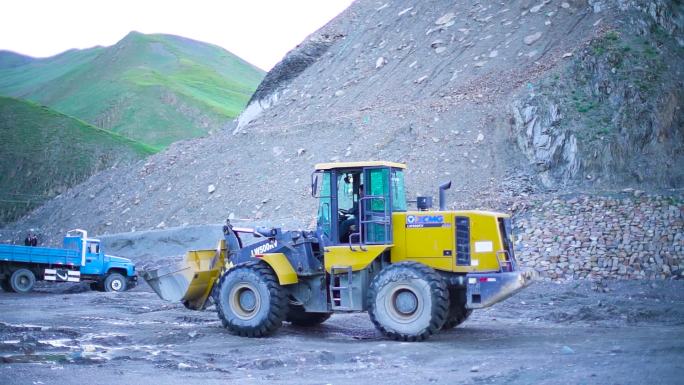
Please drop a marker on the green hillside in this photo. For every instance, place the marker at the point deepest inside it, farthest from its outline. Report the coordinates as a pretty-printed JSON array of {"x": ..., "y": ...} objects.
[
  {"x": 43, "y": 152},
  {"x": 153, "y": 88}
]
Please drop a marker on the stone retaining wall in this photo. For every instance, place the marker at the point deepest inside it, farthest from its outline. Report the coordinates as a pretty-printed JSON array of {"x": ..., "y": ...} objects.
[{"x": 636, "y": 237}]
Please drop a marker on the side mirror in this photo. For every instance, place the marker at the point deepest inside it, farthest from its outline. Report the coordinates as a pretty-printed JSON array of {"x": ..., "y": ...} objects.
[{"x": 315, "y": 177}]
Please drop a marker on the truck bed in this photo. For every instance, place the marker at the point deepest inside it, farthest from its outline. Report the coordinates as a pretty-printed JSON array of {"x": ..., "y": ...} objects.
[{"x": 42, "y": 255}]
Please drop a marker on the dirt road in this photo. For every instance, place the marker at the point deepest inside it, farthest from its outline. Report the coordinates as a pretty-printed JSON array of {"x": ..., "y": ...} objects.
[{"x": 625, "y": 333}]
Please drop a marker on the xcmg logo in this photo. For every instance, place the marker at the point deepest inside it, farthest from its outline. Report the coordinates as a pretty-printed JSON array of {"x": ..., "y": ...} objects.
[
  {"x": 415, "y": 221},
  {"x": 411, "y": 219}
]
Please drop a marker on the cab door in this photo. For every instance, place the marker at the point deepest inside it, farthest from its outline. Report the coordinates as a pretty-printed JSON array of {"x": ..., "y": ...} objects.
[
  {"x": 376, "y": 213},
  {"x": 321, "y": 188},
  {"x": 94, "y": 259}
]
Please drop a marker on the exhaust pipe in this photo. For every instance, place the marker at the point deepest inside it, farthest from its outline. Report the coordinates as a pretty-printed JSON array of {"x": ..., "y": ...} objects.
[{"x": 442, "y": 195}]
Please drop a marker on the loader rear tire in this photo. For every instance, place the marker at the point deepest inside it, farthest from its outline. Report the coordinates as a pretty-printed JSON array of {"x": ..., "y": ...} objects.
[
  {"x": 299, "y": 317},
  {"x": 408, "y": 301},
  {"x": 457, "y": 309},
  {"x": 250, "y": 301}
]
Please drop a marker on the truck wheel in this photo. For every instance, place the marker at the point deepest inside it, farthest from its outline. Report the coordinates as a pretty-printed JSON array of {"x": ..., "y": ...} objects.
[
  {"x": 115, "y": 282},
  {"x": 22, "y": 280},
  {"x": 457, "y": 309},
  {"x": 408, "y": 301},
  {"x": 296, "y": 315},
  {"x": 250, "y": 301},
  {"x": 6, "y": 286}
]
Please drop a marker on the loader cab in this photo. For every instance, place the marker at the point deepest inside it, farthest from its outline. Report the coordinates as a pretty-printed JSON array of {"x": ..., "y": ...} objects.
[{"x": 356, "y": 201}]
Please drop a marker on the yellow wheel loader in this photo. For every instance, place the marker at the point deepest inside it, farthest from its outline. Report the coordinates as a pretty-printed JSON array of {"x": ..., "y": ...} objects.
[{"x": 415, "y": 272}]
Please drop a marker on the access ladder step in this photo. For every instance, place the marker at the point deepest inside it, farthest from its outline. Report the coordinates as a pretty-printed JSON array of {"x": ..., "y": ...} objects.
[{"x": 338, "y": 287}]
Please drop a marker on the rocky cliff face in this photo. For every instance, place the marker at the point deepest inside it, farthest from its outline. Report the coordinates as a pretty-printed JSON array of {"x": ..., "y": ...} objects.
[{"x": 612, "y": 116}]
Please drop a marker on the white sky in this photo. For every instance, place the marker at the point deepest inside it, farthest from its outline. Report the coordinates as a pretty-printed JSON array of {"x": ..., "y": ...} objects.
[{"x": 259, "y": 31}]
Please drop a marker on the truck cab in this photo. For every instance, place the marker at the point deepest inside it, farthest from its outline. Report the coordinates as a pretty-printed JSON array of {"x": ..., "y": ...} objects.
[
  {"x": 98, "y": 266},
  {"x": 95, "y": 261}
]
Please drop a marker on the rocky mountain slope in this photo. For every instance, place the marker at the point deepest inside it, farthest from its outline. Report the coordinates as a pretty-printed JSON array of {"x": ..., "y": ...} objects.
[
  {"x": 45, "y": 152},
  {"x": 153, "y": 88},
  {"x": 518, "y": 103}
]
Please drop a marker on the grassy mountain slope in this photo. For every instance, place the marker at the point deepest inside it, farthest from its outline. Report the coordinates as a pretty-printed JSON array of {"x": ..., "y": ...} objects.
[
  {"x": 26, "y": 79},
  {"x": 43, "y": 152},
  {"x": 154, "y": 88}
]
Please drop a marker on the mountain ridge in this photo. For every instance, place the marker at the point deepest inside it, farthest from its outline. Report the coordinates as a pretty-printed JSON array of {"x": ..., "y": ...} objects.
[{"x": 188, "y": 87}]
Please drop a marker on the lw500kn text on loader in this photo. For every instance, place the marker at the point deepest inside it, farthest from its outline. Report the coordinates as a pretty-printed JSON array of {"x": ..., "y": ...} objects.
[{"x": 415, "y": 272}]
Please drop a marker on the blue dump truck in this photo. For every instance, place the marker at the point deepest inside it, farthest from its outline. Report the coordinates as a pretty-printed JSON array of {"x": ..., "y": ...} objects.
[{"x": 81, "y": 259}]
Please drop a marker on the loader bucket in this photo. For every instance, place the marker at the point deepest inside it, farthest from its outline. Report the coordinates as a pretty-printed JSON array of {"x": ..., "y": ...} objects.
[{"x": 192, "y": 280}]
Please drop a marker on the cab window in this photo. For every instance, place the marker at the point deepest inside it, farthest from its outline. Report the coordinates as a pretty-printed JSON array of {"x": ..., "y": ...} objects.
[
  {"x": 324, "y": 213},
  {"x": 398, "y": 192},
  {"x": 376, "y": 206},
  {"x": 93, "y": 248},
  {"x": 376, "y": 185},
  {"x": 345, "y": 191}
]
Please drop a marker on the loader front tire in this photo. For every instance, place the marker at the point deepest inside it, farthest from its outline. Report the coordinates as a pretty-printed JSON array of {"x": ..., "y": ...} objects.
[
  {"x": 299, "y": 317},
  {"x": 457, "y": 309},
  {"x": 408, "y": 301},
  {"x": 250, "y": 301}
]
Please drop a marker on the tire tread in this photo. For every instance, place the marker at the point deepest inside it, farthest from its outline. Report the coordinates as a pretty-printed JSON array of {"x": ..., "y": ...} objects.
[
  {"x": 439, "y": 292},
  {"x": 457, "y": 310},
  {"x": 277, "y": 305}
]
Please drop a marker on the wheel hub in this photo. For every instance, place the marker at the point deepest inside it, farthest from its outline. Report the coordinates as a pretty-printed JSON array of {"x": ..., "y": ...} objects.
[
  {"x": 405, "y": 302},
  {"x": 247, "y": 300},
  {"x": 116, "y": 285},
  {"x": 244, "y": 301}
]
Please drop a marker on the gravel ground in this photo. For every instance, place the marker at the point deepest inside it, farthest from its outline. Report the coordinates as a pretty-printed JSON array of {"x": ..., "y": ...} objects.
[{"x": 577, "y": 333}]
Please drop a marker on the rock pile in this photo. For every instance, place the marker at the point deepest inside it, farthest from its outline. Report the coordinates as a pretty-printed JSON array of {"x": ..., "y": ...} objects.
[{"x": 639, "y": 237}]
